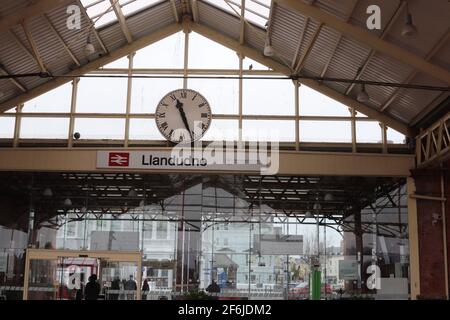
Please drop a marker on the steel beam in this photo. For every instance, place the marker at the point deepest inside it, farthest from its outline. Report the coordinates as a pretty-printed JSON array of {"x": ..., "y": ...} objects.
[
  {"x": 33, "y": 9},
  {"x": 291, "y": 162},
  {"x": 122, "y": 21},
  {"x": 367, "y": 38},
  {"x": 93, "y": 65},
  {"x": 259, "y": 57}
]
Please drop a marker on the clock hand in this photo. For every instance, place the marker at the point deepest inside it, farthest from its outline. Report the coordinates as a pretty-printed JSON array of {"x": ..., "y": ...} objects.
[{"x": 183, "y": 117}]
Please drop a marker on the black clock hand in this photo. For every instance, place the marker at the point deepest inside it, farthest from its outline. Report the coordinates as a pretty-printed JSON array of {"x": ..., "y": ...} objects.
[{"x": 183, "y": 117}]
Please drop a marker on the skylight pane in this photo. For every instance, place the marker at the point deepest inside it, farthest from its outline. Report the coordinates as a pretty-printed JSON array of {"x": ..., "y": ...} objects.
[
  {"x": 101, "y": 13},
  {"x": 131, "y": 6},
  {"x": 222, "y": 5},
  {"x": 257, "y": 11},
  {"x": 395, "y": 136}
]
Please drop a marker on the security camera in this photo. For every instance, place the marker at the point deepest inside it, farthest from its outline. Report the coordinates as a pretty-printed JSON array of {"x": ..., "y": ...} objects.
[{"x": 76, "y": 135}]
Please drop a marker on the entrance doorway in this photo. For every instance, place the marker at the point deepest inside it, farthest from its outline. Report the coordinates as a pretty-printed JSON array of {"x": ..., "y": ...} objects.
[{"x": 63, "y": 274}]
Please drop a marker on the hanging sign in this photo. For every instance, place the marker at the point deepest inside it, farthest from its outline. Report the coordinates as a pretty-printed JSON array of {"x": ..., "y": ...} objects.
[{"x": 185, "y": 160}]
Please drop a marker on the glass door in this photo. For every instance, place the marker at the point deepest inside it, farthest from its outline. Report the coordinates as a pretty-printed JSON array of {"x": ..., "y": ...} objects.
[
  {"x": 43, "y": 282},
  {"x": 119, "y": 280},
  {"x": 73, "y": 274},
  {"x": 81, "y": 275}
]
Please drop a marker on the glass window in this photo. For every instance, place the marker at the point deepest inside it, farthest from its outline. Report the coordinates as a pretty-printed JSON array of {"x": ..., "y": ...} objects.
[
  {"x": 130, "y": 7},
  {"x": 268, "y": 130},
  {"x": 222, "y": 94},
  {"x": 99, "y": 128},
  {"x": 166, "y": 53},
  {"x": 314, "y": 103},
  {"x": 205, "y": 53},
  {"x": 144, "y": 129},
  {"x": 148, "y": 229},
  {"x": 325, "y": 131},
  {"x": 71, "y": 229},
  {"x": 368, "y": 132},
  {"x": 102, "y": 95},
  {"x": 119, "y": 63},
  {"x": 100, "y": 12},
  {"x": 56, "y": 100},
  {"x": 7, "y": 127},
  {"x": 268, "y": 96},
  {"x": 395, "y": 136},
  {"x": 146, "y": 93},
  {"x": 249, "y": 64},
  {"x": 161, "y": 230},
  {"x": 44, "y": 128},
  {"x": 222, "y": 129}
]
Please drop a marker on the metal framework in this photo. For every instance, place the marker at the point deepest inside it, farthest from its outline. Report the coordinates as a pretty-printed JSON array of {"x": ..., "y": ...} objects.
[
  {"x": 243, "y": 199},
  {"x": 297, "y": 143},
  {"x": 433, "y": 144}
]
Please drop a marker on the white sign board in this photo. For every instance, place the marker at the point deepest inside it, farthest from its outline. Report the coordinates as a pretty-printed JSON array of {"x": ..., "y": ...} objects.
[
  {"x": 279, "y": 244},
  {"x": 115, "y": 240},
  {"x": 170, "y": 160},
  {"x": 348, "y": 269}
]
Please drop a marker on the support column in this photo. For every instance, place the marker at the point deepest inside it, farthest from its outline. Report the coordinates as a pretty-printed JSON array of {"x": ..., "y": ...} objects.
[
  {"x": 297, "y": 115},
  {"x": 17, "y": 125},
  {"x": 241, "y": 85},
  {"x": 353, "y": 123},
  {"x": 73, "y": 105},
  {"x": 413, "y": 235},
  {"x": 384, "y": 137},
  {"x": 128, "y": 103},
  {"x": 431, "y": 197},
  {"x": 186, "y": 30},
  {"x": 359, "y": 248}
]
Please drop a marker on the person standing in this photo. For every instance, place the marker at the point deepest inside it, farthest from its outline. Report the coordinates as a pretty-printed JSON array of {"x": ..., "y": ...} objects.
[
  {"x": 145, "y": 289},
  {"x": 115, "y": 288},
  {"x": 92, "y": 289},
  {"x": 130, "y": 285}
]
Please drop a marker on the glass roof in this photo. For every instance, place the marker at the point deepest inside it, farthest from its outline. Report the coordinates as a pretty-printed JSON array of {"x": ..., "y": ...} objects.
[
  {"x": 102, "y": 13},
  {"x": 256, "y": 11}
]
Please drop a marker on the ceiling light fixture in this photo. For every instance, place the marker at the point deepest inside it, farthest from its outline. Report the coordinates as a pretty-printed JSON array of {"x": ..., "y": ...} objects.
[
  {"x": 363, "y": 96},
  {"x": 268, "y": 50},
  {"x": 409, "y": 29},
  {"x": 132, "y": 193},
  {"x": 328, "y": 197},
  {"x": 67, "y": 202},
  {"x": 47, "y": 192},
  {"x": 89, "y": 48}
]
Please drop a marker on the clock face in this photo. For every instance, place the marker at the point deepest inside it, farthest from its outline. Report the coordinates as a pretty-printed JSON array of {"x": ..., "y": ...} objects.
[{"x": 183, "y": 115}]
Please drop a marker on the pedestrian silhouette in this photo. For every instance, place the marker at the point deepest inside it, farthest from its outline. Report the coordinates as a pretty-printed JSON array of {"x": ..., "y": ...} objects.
[
  {"x": 115, "y": 287},
  {"x": 213, "y": 287},
  {"x": 92, "y": 289},
  {"x": 145, "y": 289},
  {"x": 130, "y": 285}
]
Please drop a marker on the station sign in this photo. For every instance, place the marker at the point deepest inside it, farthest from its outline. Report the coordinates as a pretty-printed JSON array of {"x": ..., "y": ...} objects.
[{"x": 176, "y": 160}]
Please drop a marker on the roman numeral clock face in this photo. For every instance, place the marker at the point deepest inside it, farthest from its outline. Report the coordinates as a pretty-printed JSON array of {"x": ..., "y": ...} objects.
[{"x": 183, "y": 115}]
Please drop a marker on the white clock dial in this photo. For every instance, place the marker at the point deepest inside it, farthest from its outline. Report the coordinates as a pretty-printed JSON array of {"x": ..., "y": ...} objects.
[{"x": 183, "y": 115}]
